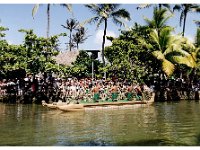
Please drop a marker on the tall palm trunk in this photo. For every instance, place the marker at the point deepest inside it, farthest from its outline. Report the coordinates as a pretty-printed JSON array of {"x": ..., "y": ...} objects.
[
  {"x": 160, "y": 6},
  {"x": 185, "y": 14},
  {"x": 103, "y": 43},
  {"x": 77, "y": 45},
  {"x": 48, "y": 20},
  {"x": 70, "y": 40}
]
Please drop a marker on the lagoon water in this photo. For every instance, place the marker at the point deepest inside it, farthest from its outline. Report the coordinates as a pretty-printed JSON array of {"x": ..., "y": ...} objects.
[{"x": 162, "y": 124}]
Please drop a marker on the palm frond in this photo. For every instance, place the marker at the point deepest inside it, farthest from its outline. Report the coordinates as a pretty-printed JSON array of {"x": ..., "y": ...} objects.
[
  {"x": 188, "y": 44},
  {"x": 35, "y": 9},
  {"x": 121, "y": 13},
  {"x": 177, "y": 7},
  {"x": 99, "y": 22},
  {"x": 164, "y": 21},
  {"x": 188, "y": 60},
  {"x": 195, "y": 8},
  {"x": 144, "y": 43},
  {"x": 159, "y": 19},
  {"x": 68, "y": 6},
  {"x": 165, "y": 37},
  {"x": 64, "y": 26},
  {"x": 109, "y": 7},
  {"x": 141, "y": 6},
  {"x": 155, "y": 37},
  {"x": 173, "y": 48},
  {"x": 93, "y": 8},
  {"x": 166, "y": 6},
  {"x": 114, "y": 7},
  {"x": 194, "y": 55},
  {"x": 90, "y": 20},
  {"x": 148, "y": 21},
  {"x": 168, "y": 67},
  {"x": 191, "y": 61},
  {"x": 182, "y": 52},
  {"x": 158, "y": 55},
  {"x": 71, "y": 24},
  {"x": 118, "y": 22}
]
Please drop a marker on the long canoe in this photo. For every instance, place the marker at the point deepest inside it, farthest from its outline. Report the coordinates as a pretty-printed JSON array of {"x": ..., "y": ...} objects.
[{"x": 95, "y": 106}]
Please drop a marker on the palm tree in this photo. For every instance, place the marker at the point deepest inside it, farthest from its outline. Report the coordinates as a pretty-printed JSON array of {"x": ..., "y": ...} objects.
[
  {"x": 35, "y": 9},
  {"x": 197, "y": 39},
  {"x": 171, "y": 50},
  {"x": 159, "y": 19},
  {"x": 141, "y": 6},
  {"x": 196, "y": 53},
  {"x": 71, "y": 24},
  {"x": 102, "y": 13},
  {"x": 80, "y": 36},
  {"x": 185, "y": 9}
]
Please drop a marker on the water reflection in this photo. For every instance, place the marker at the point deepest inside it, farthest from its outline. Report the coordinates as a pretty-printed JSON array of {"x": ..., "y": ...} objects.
[{"x": 161, "y": 124}]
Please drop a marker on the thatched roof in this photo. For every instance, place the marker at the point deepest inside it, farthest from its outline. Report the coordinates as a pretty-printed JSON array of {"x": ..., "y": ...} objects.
[{"x": 66, "y": 58}]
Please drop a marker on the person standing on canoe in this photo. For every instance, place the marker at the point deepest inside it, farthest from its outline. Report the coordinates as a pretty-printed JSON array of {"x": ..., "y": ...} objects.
[
  {"x": 129, "y": 92},
  {"x": 139, "y": 92},
  {"x": 114, "y": 91},
  {"x": 96, "y": 93}
]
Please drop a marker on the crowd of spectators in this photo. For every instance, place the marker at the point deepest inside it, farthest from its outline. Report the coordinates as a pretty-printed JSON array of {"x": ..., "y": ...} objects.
[{"x": 85, "y": 89}]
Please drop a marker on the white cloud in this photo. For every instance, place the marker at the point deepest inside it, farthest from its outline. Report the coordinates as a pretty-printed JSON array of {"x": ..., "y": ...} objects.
[{"x": 99, "y": 38}]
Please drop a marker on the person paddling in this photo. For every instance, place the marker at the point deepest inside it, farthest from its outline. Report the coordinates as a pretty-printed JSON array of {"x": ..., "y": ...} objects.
[
  {"x": 129, "y": 92},
  {"x": 114, "y": 92},
  {"x": 96, "y": 94}
]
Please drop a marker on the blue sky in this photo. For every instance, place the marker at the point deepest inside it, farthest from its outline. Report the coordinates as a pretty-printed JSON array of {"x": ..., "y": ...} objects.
[{"x": 19, "y": 16}]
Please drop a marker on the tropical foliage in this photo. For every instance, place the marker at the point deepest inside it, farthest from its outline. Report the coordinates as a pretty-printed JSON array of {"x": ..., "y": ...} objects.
[
  {"x": 185, "y": 9},
  {"x": 82, "y": 67},
  {"x": 160, "y": 6},
  {"x": 80, "y": 36},
  {"x": 159, "y": 19},
  {"x": 71, "y": 25},
  {"x": 149, "y": 51},
  {"x": 127, "y": 58},
  {"x": 138, "y": 54},
  {"x": 103, "y": 12},
  {"x": 171, "y": 50},
  {"x": 36, "y": 7},
  {"x": 33, "y": 56}
]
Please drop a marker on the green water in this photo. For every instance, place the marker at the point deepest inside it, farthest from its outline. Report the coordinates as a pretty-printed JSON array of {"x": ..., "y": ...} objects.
[{"x": 162, "y": 124}]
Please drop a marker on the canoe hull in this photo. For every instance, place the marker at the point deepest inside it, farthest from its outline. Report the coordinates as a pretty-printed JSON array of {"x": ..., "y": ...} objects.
[{"x": 97, "y": 106}]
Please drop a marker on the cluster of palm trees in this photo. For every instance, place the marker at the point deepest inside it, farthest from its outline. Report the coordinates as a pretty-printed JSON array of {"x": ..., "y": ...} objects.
[
  {"x": 102, "y": 12},
  {"x": 170, "y": 49},
  {"x": 35, "y": 9},
  {"x": 78, "y": 37},
  {"x": 184, "y": 9}
]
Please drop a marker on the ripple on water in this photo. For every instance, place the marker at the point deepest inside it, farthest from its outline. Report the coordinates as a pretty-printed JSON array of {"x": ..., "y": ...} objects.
[{"x": 162, "y": 124}]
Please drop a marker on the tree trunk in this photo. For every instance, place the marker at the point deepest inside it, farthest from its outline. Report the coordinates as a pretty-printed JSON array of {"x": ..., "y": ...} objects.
[
  {"x": 160, "y": 6},
  {"x": 184, "y": 22},
  {"x": 103, "y": 43},
  {"x": 70, "y": 40},
  {"x": 77, "y": 46},
  {"x": 48, "y": 19}
]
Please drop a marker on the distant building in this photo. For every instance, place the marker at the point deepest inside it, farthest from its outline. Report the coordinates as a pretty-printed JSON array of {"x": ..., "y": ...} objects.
[{"x": 67, "y": 57}]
